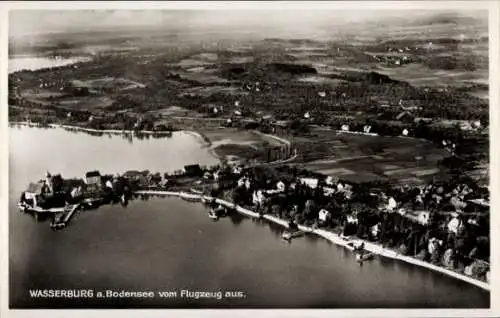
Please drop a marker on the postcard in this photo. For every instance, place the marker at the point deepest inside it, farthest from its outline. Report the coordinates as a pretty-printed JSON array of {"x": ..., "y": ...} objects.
[{"x": 180, "y": 157}]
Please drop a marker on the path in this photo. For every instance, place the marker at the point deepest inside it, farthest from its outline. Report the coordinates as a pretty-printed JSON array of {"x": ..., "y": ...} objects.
[{"x": 330, "y": 236}]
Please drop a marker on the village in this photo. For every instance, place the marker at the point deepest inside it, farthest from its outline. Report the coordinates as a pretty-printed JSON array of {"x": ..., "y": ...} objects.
[
  {"x": 445, "y": 224},
  {"x": 360, "y": 144}
]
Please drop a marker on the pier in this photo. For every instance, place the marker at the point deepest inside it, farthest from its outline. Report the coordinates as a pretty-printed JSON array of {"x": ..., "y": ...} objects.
[{"x": 63, "y": 219}]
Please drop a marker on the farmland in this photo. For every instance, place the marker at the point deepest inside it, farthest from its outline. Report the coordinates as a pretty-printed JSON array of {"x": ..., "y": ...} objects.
[
  {"x": 187, "y": 81},
  {"x": 370, "y": 158}
]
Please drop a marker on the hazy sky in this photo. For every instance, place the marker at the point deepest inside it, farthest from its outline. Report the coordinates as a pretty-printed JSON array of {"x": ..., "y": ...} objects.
[{"x": 36, "y": 21}]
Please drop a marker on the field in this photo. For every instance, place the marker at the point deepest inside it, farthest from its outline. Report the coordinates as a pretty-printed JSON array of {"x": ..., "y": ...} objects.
[
  {"x": 361, "y": 158},
  {"x": 431, "y": 68},
  {"x": 235, "y": 144}
]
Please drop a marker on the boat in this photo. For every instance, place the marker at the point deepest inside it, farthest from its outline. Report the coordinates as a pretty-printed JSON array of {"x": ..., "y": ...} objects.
[
  {"x": 196, "y": 191},
  {"x": 287, "y": 235},
  {"x": 57, "y": 225},
  {"x": 23, "y": 206},
  {"x": 216, "y": 212},
  {"x": 92, "y": 201},
  {"x": 57, "y": 222},
  {"x": 361, "y": 257},
  {"x": 213, "y": 215}
]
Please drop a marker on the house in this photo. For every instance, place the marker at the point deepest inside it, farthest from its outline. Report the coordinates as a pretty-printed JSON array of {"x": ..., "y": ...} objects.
[
  {"x": 144, "y": 180},
  {"x": 280, "y": 186},
  {"x": 258, "y": 198},
  {"x": 455, "y": 224},
  {"x": 391, "y": 204},
  {"x": 92, "y": 178},
  {"x": 76, "y": 192},
  {"x": 310, "y": 182},
  {"x": 352, "y": 219},
  {"x": 433, "y": 245},
  {"x": 330, "y": 180},
  {"x": 344, "y": 128},
  {"x": 327, "y": 191},
  {"x": 48, "y": 183},
  {"x": 109, "y": 184},
  {"x": 241, "y": 182},
  {"x": 323, "y": 215},
  {"x": 132, "y": 174},
  {"x": 34, "y": 193},
  {"x": 237, "y": 170},
  {"x": 422, "y": 217}
]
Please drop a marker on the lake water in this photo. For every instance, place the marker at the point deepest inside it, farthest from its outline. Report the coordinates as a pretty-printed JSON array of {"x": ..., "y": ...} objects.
[
  {"x": 19, "y": 63},
  {"x": 168, "y": 244}
]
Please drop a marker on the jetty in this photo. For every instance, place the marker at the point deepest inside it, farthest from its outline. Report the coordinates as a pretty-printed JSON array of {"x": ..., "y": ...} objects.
[{"x": 63, "y": 219}]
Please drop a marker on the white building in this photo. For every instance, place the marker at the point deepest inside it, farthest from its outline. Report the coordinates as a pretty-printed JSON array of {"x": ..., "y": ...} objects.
[
  {"x": 109, "y": 184},
  {"x": 391, "y": 204},
  {"x": 241, "y": 182},
  {"x": 323, "y": 215},
  {"x": 258, "y": 197},
  {"x": 310, "y": 182},
  {"x": 92, "y": 177},
  {"x": 455, "y": 225},
  {"x": 280, "y": 186},
  {"x": 352, "y": 219}
]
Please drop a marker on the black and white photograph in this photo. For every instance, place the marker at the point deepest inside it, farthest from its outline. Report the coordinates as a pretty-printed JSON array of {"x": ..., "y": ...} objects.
[{"x": 248, "y": 156}]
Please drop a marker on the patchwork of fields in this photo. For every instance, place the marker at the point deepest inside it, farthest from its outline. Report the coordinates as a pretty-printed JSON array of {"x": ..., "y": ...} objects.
[{"x": 361, "y": 158}]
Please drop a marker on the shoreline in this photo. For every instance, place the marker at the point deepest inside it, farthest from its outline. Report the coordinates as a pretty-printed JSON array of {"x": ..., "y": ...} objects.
[
  {"x": 330, "y": 236},
  {"x": 204, "y": 140},
  {"x": 84, "y": 129}
]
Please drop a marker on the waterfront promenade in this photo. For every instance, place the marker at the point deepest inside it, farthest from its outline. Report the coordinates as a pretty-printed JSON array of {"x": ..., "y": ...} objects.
[{"x": 328, "y": 235}]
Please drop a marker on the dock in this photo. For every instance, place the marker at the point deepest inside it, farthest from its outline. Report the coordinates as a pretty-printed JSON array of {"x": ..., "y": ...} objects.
[{"x": 63, "y": 219}]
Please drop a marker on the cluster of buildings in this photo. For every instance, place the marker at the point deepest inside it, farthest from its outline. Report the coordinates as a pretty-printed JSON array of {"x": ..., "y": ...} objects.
[{"x": 445, "y": 224}]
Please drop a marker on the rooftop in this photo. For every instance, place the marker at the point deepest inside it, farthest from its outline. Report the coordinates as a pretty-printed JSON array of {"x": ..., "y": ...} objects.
[
  {"x": 35, "y": 188},
  {"x": 92, "y": 174}
]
